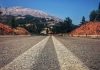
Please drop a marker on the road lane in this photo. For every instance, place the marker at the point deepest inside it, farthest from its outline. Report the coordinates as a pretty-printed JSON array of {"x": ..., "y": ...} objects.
[
  {"x": 67, "y": 60},
  {"x": 87, "y": 50},
  {"x": 48, "y": 59},
  {"x": 27, "y": 59},
  {"x": 13, "y": 47},
  {"x": 63, "y": 53}
]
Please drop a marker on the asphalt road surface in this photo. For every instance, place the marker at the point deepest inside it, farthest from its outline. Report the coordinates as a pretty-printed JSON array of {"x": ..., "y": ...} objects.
[{"x": 49, "y": 53}]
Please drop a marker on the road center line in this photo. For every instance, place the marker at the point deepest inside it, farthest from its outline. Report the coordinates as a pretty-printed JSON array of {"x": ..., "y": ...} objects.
[
  {"x": 67, "y": 60},
  {"x": 28, "y": 58}
]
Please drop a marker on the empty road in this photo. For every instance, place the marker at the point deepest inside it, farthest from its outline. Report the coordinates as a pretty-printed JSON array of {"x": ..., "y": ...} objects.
[{"x": 49, "y": 53}]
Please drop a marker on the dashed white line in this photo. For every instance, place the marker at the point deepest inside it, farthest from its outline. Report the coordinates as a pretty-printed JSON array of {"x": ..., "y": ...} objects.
[
  {"x": 28, "y": 58},
  {"x": 67, "y": 60}
]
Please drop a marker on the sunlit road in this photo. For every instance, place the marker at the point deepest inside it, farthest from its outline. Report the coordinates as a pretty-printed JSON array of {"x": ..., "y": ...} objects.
[{"x": 49, "y": 53}]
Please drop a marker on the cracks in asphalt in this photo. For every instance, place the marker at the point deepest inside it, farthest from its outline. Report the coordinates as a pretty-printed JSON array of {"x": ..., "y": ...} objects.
[{"x": 47, "y": 60}]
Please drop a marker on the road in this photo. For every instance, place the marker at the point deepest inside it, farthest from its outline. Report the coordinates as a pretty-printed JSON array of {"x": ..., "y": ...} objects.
[{"x": 49, "y": 53}]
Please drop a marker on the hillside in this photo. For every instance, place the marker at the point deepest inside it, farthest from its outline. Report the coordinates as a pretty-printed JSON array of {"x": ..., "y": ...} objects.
[
  {"x": 20, "y": 31},
  {"x": 7, "y": 30},
  {"x": 90, "y": 28}
]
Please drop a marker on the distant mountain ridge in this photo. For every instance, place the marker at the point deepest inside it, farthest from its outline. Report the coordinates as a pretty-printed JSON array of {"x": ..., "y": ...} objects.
[{"x": 27, "y": 11}]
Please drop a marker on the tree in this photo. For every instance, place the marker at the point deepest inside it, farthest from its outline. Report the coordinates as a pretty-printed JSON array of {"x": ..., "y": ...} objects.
[
  {"x": 83, "y": 20},
  {"x": 13, "y": 22},
  {"x": 93, "y": 15},
  {"x": 63, "y": 27},
  {"x": 68, "y": 20},
  {"x": 97, "y": 16},
  {"x": 0, "y": 11},
  {"x": 67, "y": 24},
  {"x": 0, "y": 14}
]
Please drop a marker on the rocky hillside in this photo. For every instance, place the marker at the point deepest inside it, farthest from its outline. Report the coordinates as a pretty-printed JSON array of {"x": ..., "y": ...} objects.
[
  {"x": 20, "y": 31},
  {"x": 7, "y": 30},
  {"x": 90, "y": 28}
]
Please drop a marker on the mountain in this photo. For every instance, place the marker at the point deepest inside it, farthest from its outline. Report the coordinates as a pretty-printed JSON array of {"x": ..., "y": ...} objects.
[{"x": 15, "y": 11}]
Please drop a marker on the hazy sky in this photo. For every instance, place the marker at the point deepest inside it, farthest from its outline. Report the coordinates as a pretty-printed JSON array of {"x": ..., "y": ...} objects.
[{"x": 61, "y": 8}]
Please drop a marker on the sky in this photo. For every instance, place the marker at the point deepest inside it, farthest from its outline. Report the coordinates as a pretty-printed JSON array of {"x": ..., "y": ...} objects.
[{"x": 74, "y": 9}]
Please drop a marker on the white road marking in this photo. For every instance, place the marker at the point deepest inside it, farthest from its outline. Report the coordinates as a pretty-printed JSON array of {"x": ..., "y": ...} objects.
[
  {"x": 67, "y": 60},
  {"x": 27, "y": 59}
]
